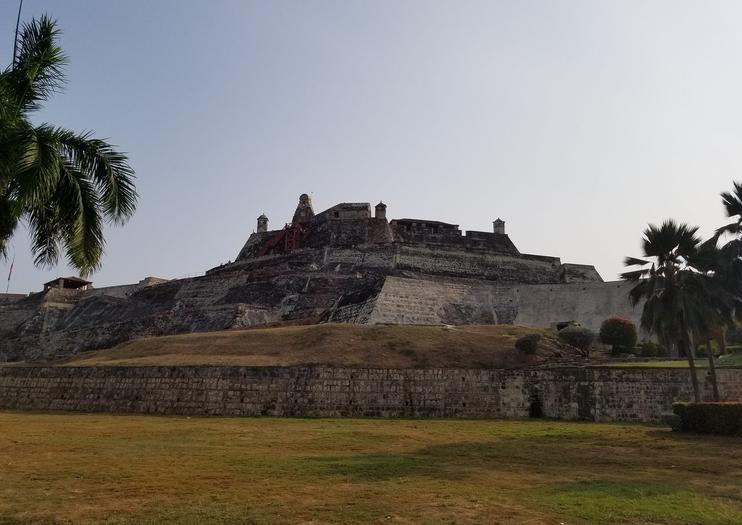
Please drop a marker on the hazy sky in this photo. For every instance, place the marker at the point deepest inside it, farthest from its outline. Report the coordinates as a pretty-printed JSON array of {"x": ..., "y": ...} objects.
[{"x": 576, "y": 122}]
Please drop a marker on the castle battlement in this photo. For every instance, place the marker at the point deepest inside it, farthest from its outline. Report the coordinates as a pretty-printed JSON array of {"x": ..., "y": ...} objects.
[{"x": 351, "y": 224}]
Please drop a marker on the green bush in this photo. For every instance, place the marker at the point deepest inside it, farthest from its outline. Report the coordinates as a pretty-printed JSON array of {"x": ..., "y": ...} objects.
[
  {"x": 651, "y": 349},
  {"x": 702, "y": 350},
  {"x": 710, "y": 418},
  {"x": 528, "y": 344},
  {"x": 619, "y": 333},
  {"x": 579, "y": 337}
]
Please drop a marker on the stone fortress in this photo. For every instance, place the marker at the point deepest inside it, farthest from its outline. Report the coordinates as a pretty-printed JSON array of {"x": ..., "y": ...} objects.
[{"x": 344, "y": 264}]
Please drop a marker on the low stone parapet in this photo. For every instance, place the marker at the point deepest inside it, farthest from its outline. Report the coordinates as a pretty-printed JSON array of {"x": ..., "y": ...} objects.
[{"x": 596, "y": 394}]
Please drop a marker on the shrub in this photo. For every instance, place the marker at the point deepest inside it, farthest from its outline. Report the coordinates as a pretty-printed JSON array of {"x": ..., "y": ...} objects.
[
  {"x": 579, "y": 337},
  {"x": 710, "y": 418},
  {"x": 528, "y": 344},
  {"x": 651, "y": 349},
  {"x": 703, "y": 349},
  {"x": 619, "y": 333}
]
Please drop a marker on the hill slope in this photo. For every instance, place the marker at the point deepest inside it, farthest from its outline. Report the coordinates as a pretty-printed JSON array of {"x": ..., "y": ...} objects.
[{"x": 340, "y": 345}]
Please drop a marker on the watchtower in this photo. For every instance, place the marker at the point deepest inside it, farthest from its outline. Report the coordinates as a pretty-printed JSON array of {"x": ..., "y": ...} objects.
[{"x": 304, "y": 211}]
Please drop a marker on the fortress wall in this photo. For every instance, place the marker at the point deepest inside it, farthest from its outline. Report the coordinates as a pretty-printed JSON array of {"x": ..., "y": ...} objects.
[
  {"x": 413, "y": 301},
  {"x": 122, "y": 291},
  {"x": 607, "y": 394},
  {"x": 423, "y": 302},
  {"x": 501, "y": 268},
  {"x": 7, "y": 298},
  {"x": 432, "y": 302},
  {"x": 372, "y": 257},
  {"x": 588, "y": 303},
  {"x": 356, "y": 313}
]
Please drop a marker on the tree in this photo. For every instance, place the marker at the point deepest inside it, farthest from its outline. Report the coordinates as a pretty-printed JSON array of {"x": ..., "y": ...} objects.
[
  {"x": 724, "y": 265},
  {"x": 63, "y": 185},
  {"x": 619, "y": 333},
  {"x": 578, "y": 337},
  {"x": 677, "y": 296}
]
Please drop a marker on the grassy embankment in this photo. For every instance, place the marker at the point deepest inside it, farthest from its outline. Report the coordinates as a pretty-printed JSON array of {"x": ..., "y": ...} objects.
[
  {"x": 341, "y": 345},
  {"x": 82, "y": 469}
]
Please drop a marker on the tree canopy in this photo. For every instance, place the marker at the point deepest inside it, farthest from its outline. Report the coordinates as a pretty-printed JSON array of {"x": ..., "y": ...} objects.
[{"x": 62, "y": 184}]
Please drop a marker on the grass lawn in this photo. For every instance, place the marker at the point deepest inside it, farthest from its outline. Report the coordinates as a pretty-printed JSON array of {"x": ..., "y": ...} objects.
[
  {"x": 729, "y": 360},
  {"x": 63, "y": 468}
]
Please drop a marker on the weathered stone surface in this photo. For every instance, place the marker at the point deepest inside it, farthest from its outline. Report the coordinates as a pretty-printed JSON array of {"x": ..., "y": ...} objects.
[
  {"x": 340, "y": 265},
  {"x": 596, "y": 394}
]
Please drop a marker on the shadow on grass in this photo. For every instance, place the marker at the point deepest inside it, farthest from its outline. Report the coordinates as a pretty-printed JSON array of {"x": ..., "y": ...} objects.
[
  {"x": 452, "y": 461},
  {"x": 663, "y": 452}
]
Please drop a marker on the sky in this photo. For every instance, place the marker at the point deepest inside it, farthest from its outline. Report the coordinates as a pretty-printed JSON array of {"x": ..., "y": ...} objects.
[{"x": 577, "y": 122}]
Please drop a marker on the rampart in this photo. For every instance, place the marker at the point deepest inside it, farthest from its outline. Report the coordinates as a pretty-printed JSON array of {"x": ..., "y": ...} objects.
[
  {"x": 430, "y": 302},
  {"x": 597, "y": 394}
]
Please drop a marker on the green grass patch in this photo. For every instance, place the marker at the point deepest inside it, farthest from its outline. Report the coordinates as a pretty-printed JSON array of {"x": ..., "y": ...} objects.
[
  {"x": 609, "y": 501},
  {"x": 85, "y": 469},
  {"x": 728, "y": 360}
]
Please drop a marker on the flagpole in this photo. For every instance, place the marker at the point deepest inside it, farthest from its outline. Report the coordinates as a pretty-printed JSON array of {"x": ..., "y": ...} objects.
[
  {"x": 15, "y": 42},
  {"x": 7, "y": 286}
]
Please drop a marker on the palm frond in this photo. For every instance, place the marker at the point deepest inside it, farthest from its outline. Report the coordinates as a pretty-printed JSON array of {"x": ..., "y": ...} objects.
[
  {"x": 669, "y": 241},
  {"x": 633, "y": 261},
  {"x": 733, "y": 201},
  {"x": 109, "y": 169},
  {"x": 38, "y": 71},
  {"x": 43, "y": 225},
  {"x": 37, "y": 168},
  {"x": 82, "y": 231},
  {"x": 8, "y": 224}
]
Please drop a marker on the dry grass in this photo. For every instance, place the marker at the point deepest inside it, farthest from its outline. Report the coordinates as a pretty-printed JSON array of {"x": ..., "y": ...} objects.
[
  {"x": 339, "y": 345},
  {"x": 135, "y": 469}
]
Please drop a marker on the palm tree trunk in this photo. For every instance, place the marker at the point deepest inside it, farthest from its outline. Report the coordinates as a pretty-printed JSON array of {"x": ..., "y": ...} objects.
[
  {"x": 688, "y": 340},
  {"x": 712, "y": 369}
]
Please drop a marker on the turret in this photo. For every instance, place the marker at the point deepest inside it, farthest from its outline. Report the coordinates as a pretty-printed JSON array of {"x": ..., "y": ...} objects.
[
  {"x": 498, "y": 226},
  {"x": 304, "y": 211},
  {"x": 262, "y": 223},
  {"x": 380, "y": 211}
]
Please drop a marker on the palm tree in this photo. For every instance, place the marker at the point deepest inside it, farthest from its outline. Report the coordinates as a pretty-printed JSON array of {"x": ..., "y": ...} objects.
[
  {"x": 723, "y": 297},
  {"x": 63, "y": 185},
  {"x": 677, "y": 297},
  {"x": 730, "y": 262},
  {"x": 724, "y": 264}
]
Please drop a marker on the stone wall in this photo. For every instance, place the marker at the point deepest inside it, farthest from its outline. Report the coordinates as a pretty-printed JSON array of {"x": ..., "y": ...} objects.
[
  {"x": 429, "y": 302},
  {"x": 11, "y": 297},
  {"x": 590, "y": 304},
  {"x": 598, "y": 394}
]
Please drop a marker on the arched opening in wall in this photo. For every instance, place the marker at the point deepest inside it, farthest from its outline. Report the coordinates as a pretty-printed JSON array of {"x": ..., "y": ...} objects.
[{"x": 535, "y": 407}]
